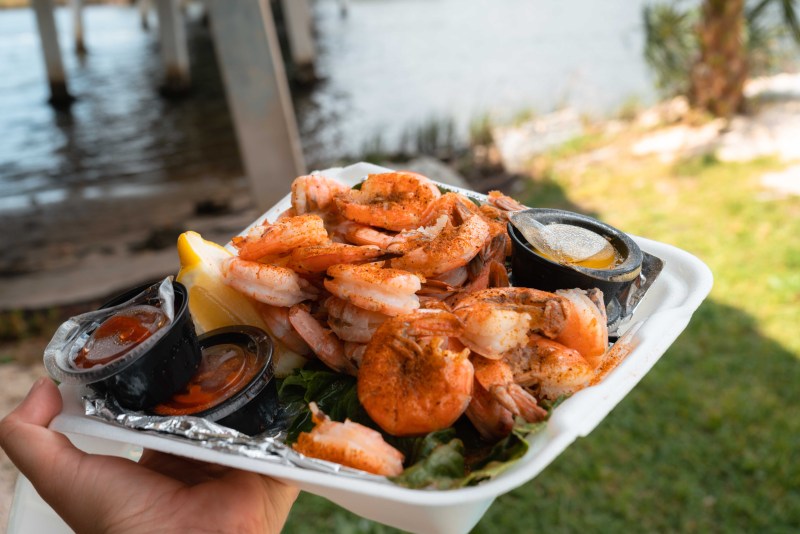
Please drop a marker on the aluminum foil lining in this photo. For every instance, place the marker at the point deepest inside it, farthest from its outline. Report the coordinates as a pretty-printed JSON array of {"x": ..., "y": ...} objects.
[
  {"x": 268, "y": 446},
  {"x": 622, "y": 308}
]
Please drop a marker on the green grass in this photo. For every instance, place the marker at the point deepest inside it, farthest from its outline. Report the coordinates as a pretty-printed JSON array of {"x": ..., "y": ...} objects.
[{"x": 708, "y": 441}]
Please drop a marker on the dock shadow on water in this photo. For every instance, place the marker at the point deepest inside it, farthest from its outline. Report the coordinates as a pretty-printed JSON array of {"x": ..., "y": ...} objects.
[
  {"x": 705, "y": 443},
  {"x": 122, "y": 158}
]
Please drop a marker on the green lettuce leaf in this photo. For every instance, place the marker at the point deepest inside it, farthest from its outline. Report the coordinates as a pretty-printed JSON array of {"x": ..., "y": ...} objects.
[
  {"x": 438, "y": 462},
  {"x": 335, "y": 394}
]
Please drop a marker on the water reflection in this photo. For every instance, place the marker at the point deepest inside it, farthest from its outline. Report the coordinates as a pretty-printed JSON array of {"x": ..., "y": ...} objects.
[
  {"x": 386, "y": 68},
  {"x": 119, "y": 129}
]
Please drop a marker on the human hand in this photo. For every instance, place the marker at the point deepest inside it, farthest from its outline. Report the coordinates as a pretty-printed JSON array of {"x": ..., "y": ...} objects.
[{"x": 161, "y": 493}]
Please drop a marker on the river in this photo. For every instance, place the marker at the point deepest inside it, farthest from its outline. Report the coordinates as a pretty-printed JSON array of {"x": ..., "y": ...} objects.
[{"x": 386, "y": 67}]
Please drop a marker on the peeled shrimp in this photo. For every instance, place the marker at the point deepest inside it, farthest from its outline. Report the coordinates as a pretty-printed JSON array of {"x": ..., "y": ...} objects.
[
  {"x": 409, "y": 382},
  {"x": 277, "y": 286},
  {"x": 374, "y": 288},
  {"x": 349, "y": 444},
  {"x": 281, "y": 237},
  {"x": 392, "y": 200},
  {"x": 315, "y": 193}
]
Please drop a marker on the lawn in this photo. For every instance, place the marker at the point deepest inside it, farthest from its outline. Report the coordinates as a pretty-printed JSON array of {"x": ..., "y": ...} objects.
[{"x": 708, "y": 440}]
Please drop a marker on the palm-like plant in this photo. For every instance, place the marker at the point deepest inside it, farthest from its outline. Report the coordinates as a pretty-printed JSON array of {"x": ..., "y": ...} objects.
[{"x": 715, "y": 46}]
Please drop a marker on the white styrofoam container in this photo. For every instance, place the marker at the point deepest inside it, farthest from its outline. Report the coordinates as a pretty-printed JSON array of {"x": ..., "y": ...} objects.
[{"x": 664, "y": 313}]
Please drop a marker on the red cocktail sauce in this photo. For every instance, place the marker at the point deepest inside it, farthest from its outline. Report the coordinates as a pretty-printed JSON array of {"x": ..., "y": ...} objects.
[
  {"x": 119, "y": 334},
  {"x": 225, "y": 370}
]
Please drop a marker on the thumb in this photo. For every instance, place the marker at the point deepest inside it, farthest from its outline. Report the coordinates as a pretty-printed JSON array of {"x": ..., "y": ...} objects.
[
  {"x": 27, "y": 440},
  {"x": 39, "y": 407}
]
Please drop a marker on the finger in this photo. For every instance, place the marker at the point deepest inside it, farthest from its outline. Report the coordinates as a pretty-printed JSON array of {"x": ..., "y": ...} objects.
[
  {"x": 66, "y": 478},
  {"x": 24, "y": 434}
]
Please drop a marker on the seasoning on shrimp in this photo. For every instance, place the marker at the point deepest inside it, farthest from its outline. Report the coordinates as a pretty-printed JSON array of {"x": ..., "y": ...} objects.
[
  {"x": 409, "y": 382},
  {"x": 500, "y": 319},
  {"x": 374, "y": 288},
  {"x": 317, "y": 258},
  {"x": 281, "y": 237},
  {"x": 392, "y": 200},
  {"x": 349, "y": 444},
  {"x": 454, "y": 247},
  {"x": 315, "y": 193},
  {"x": 277, "y": 286}
]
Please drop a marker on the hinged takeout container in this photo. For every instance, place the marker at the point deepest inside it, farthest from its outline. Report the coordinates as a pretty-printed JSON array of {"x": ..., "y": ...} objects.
[{"x": 663, "y": 314}]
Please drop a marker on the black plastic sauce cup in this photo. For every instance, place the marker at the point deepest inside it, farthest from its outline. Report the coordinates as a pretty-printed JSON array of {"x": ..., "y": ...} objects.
[
  {"x": 150, "y": 372},
  {"x": 529, "y": 269}
]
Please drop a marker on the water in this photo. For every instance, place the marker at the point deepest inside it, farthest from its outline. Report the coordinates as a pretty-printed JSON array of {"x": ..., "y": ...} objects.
[
  {"x": 120, "y": 135},
  {"x": 386, "y": 67},
  {"x": 391, "y": 65}
]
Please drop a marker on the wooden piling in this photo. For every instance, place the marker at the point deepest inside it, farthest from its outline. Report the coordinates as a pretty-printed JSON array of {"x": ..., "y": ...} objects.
[
  {"x": 77, "y": 26},
  {"x": 298, "y": 19},
  {"x": 48, "y": 35},
  {"x": 249, "y": 56},
  {"x": 144, "y": 13},
  {"x": 174, "y": 48}
]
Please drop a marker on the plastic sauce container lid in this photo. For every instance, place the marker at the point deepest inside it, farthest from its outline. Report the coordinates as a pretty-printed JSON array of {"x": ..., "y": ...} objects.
[
  {"x": 93, "y": 346},
  {"x": 119, "y": 334},
  {"x": 236, "y": 365}
]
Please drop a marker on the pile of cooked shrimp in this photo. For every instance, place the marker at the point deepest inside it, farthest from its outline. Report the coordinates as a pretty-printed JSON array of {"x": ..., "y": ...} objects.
[{"x": 406, "y": 288}]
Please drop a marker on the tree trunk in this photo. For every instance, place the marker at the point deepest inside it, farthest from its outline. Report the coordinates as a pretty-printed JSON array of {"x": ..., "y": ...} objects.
[{"x": 718, "y": 76}]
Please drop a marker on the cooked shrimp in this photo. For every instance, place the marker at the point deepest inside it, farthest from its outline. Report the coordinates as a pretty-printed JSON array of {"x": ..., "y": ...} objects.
[
  {"x": 352, "y": 323},
  {"x": 457, "y": 207},
  {"x": 454, "y": 247},
  {"x": 409, "y": 382},
  {"x": 497, "y": 320},
  {"x": 454, "y": 277},
  {"x": 504, "y": 202},
  {"x": 496, "y": 377},
  {"x": 277, "y": 286},
  {"x": 317, "y": 258},
  {"x": 361, "y": 234},
  {"x": 277, "y": 321},
  {"x": 586, "y": 328},
  {"x": 489, "y": 417},
  {"x": 392, "y": 200},
  {"x": 349, "y": 444},
  {"x": 281, "y": 237},
  {"x": 323, "y": 342},
  {"x": 374, "y": 288},
  {"x": 355, "y": 352},
  {"x": 549, "y": 367},
  {"x": 409, "y": 240},
  {"x": 315, "y": 193}
]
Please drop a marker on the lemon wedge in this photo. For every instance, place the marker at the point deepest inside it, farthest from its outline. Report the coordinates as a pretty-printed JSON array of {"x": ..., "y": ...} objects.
[{"x": 212, "y": 303}]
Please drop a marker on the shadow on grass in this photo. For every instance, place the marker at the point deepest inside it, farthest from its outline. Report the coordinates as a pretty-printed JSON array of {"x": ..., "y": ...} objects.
[{"x": 705, "y": 443}]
